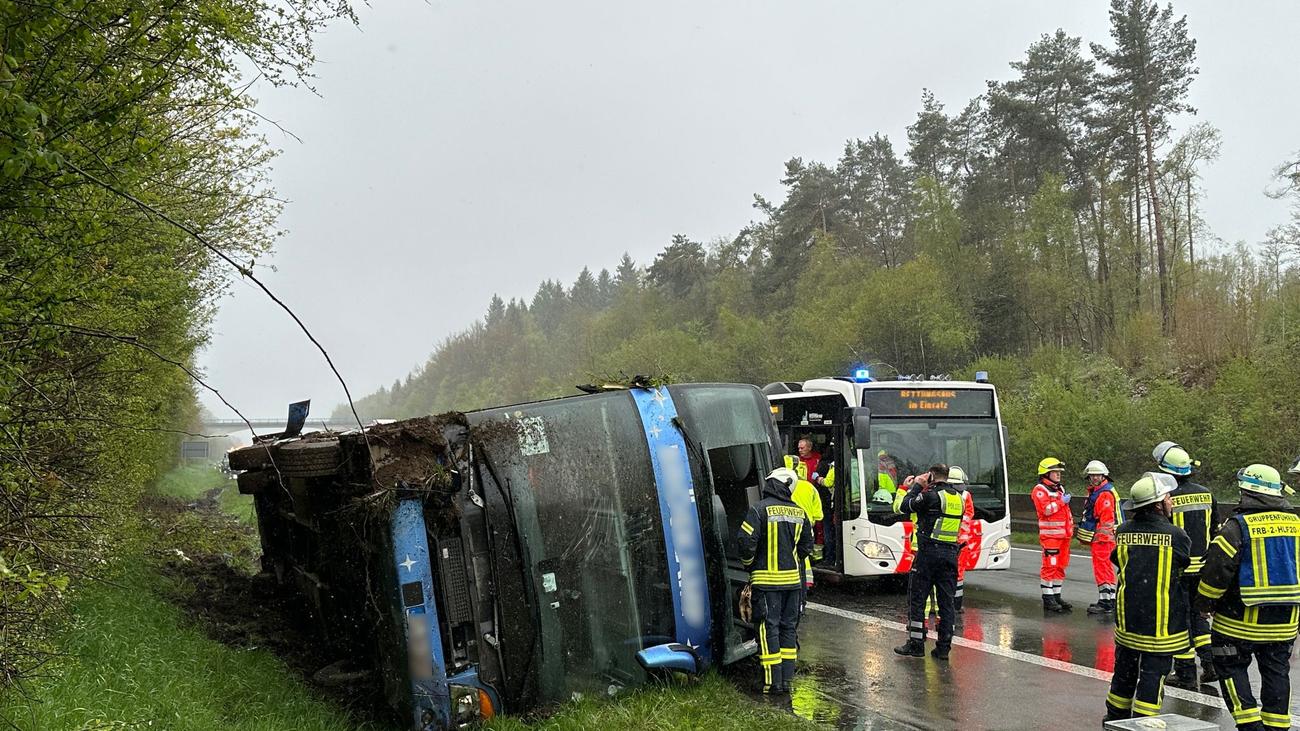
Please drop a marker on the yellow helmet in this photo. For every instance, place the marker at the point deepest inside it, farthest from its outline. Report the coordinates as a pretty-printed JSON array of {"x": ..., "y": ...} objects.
[
  {"x": 1260, "y": 478},
  {"x": 1173, "y": 459},
  {"x": 1050, "y": 464},
  {"x": 1151, "y": 488}
]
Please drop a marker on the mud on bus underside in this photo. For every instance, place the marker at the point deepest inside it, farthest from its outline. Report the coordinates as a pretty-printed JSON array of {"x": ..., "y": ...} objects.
[{"x": 325, "y": 505}]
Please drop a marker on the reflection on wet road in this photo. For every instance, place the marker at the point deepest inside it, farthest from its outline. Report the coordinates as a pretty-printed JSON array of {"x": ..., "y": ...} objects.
[{"x": 1011, "y": 666}]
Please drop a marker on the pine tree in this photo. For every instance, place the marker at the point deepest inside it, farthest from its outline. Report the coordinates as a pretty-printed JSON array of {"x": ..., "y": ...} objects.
[
  {"x": 1151, "y": 68},
  {"x": 628, "y": 275}
]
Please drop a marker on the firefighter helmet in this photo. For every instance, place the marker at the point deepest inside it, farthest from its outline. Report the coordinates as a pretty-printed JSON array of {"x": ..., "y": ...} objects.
[
  {"x": 1173, "y": 459},
  {"x": 1150, "y": 488},
  {"x": 956, "y": 476},
  {"x": 1050, "y": 464},
  {"x": 1260, "y": 478},
  {"x": 1096, "y": 467},
  {"x": 785, "y": 476}
]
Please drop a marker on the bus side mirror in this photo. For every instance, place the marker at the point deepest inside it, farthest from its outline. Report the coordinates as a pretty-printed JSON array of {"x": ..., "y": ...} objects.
[
  {"x": 671, "y": 656},
  {"x": 860, "y": 418}
]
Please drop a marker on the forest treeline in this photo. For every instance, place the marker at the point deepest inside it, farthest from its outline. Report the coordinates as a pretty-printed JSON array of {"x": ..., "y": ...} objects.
[
  {"x": 129, "y": 164},
  {"x": 1049, "y": 230}
]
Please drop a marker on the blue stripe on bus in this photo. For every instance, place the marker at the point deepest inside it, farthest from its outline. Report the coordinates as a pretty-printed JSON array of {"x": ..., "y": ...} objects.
[
  {"x": 681, "y": 521},
  {"x": 425, "y": 669}
]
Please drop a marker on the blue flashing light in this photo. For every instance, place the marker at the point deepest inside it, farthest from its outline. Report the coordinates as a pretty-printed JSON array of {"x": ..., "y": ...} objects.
[
  {"x": 981, "y": 376},
  {"x": 862, "y": 375}
]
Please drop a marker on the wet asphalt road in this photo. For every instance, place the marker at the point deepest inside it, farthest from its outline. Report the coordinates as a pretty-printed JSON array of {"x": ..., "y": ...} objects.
[{"x": 1011, "y": 666}]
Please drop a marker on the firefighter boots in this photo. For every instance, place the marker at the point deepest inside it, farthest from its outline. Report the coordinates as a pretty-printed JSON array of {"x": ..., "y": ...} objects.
[
  {"x": 911, "y": 648},
  {"x": 939, "y": 653}
]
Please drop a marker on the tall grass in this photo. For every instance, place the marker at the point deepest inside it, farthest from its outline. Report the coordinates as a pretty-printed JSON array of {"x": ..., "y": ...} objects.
[
  {"x": 710, "y": 704},
  {"x": 131, "y": 661}
]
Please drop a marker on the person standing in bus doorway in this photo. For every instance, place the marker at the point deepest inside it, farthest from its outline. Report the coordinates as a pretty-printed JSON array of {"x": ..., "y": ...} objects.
[
  {"x": 1151, "y": 613},
  {"x": 824, "y": 480},
  {"x": 1055, "y": 525},
  {"x": 1250, "y": 583},
  {"x": 1194, "y": 512},
  {"x": 1101, "y": 516},
  {"x": 938, "y": 508},
  {"x": 784, "y": 532},
  {"x": 805, "y": 462}
]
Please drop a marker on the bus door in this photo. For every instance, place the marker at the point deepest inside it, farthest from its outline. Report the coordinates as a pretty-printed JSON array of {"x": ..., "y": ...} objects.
[{"x": 815, "y": 418}]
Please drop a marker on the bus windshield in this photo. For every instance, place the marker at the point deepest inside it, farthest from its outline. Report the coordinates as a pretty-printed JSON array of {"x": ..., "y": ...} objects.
[{"x": 909, "y": 446}]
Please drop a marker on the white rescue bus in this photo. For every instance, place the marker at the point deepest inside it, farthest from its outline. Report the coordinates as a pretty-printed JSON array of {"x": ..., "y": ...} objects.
[{"x": 883, "y": 431}]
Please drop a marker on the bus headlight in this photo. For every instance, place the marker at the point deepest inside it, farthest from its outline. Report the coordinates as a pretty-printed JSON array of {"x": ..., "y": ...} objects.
[
  {"x": 875, "y": 550},
  {"x": 1001, "y": 545},
  {"x": 469, "y": 705}
]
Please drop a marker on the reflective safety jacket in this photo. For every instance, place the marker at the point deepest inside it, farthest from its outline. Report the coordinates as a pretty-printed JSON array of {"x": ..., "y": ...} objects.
[
  {"x": 803, "y": 467},
  {"x": 1055, "y": 523},
  {"x": 775, "y": 538},
  {"x": 1194, "y": 510},
  {"x": 807, "y": 497},
  {"x": 1250, "y": 576},
  {"x": 1101, "y": 515},
  {"x": 938, "y": 513},
  {"x": 967, "y": 530},
  {"x": 1150, "y": 605}
]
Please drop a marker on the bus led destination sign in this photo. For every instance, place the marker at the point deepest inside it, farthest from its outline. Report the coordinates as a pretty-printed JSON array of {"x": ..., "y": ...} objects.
[{"x": 949, "y": 402}]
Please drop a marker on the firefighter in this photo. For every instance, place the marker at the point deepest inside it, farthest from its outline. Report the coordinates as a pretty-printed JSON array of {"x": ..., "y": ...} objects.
[
  {"x": 1150, "y": 607},
  {"x": 938, "y": 509},
  {"x": 1101, "y": 515},
  {"x": 776, "y": 574},
  {"x": 1194, "y": 511},
  {"x": 1249, "y": 585},
  {"x": 1055, "y": 525}
]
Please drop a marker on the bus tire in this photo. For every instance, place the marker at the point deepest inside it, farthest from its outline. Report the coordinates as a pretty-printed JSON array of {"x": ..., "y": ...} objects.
[
  {"x": 255, "y": 457},
  {"x": 308, "y": 459}
]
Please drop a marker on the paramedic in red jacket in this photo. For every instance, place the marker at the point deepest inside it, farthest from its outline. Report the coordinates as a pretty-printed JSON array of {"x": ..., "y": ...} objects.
[{"x": 1055, "y": 526}]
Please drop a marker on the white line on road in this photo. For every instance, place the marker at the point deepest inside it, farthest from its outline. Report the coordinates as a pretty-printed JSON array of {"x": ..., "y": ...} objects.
[{"x": 1046, "y": 662}]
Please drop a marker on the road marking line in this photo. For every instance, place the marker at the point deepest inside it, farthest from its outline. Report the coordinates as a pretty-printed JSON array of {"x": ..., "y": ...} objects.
[{"x": 1046, "y": 662}]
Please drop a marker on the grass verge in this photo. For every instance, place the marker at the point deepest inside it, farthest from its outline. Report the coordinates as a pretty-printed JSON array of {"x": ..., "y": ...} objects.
[
  {"x": 710, "y": 703},
  {"x": 132, "y": 661}
]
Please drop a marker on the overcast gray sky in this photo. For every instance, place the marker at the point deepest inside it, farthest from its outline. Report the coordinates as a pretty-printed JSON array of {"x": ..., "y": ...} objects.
[{"x": 468, "y": 148}]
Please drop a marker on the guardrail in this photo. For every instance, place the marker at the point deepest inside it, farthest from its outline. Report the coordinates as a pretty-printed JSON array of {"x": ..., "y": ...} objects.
[{"x": 1023, "y": 517}]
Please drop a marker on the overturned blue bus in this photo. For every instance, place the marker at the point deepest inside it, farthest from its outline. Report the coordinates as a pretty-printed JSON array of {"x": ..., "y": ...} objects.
[{"x": 503, "y": 559}]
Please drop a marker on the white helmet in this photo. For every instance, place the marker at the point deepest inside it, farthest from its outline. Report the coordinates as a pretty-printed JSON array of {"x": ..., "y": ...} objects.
[
  {"x": 956, "y": 475},
  {"x": 784, "y": 475},
  {"x": 1096, "y": 467}
]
